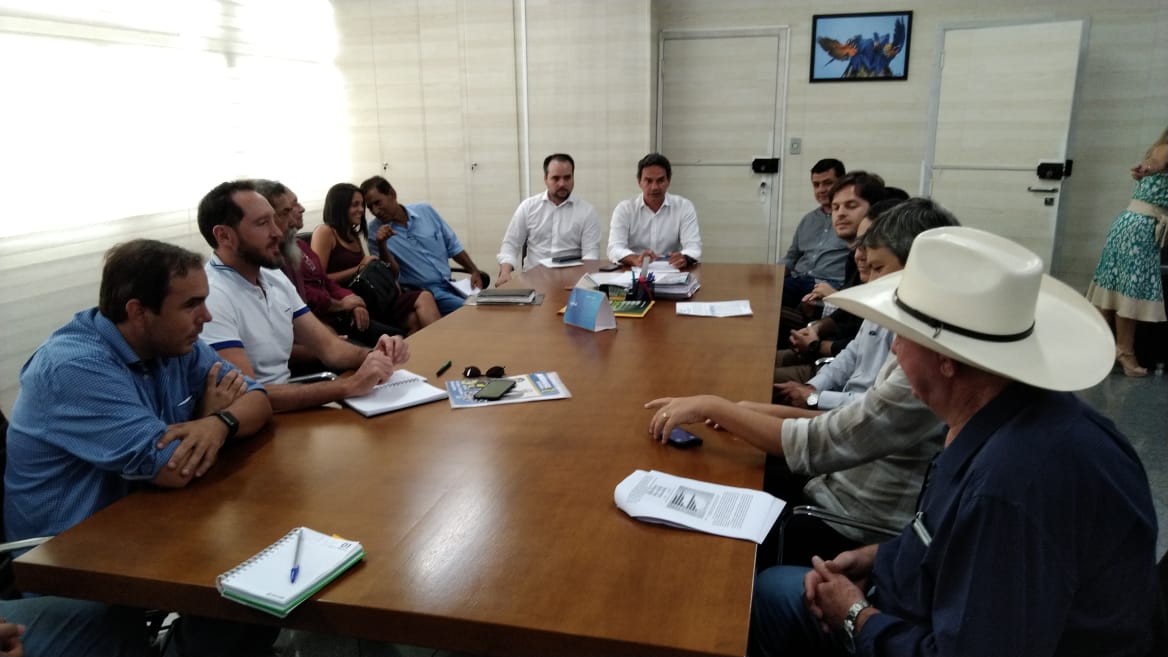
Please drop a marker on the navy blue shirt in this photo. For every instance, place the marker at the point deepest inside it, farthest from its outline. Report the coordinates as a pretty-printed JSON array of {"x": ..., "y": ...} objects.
[{"x": 1043, "y": 541}]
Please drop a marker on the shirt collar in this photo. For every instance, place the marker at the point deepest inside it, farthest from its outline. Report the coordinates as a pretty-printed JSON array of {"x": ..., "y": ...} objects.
[
  {"x": 109, "y": 333},
  {"x": 641, "y": 202},
  {"x": 218, "y": 264},
  {"x": 1008, "y": 403},
  {"x": 571, "y": 198}
]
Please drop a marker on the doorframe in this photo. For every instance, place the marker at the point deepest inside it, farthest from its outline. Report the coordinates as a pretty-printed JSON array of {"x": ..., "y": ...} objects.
[
  {"x": 779, "y": 127},
  {"x": 925, "y": 186}
]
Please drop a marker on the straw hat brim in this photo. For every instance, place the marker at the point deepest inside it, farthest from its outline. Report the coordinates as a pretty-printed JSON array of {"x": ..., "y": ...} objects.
[{"x": 1071, "y": 347}]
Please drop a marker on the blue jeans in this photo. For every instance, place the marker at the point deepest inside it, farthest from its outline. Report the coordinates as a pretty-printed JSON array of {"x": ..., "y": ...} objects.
[
  {"x": 63, "y": 626},
  {"x": 68, "y": 627},
  {"x": 448, "y": 300},
  {"x": 780, "y": 624}
]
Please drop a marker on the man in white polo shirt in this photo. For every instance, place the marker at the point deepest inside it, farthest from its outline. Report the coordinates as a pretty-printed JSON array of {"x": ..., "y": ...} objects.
[
  {"x": 551, "y": 222},
  {"x": 257, "y": 314},
  {"x": 655, "y": 223}
]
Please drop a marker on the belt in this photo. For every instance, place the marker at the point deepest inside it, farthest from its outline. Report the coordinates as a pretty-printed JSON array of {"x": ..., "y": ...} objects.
[{"x": 1159, "y": 214}]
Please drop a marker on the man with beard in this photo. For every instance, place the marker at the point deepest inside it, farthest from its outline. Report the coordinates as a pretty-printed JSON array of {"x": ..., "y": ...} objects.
[
  {"x": 333, "y": 304},
  {"x": 257, "y": 314},
  {"x": 551, "y": 222},
  {"x": 817, "y": 253}
]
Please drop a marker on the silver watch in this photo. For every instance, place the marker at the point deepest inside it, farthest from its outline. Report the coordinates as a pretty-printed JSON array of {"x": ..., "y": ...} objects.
[
  {"x": 850, "y": 620},
  {"x": 813, "y": 400}
]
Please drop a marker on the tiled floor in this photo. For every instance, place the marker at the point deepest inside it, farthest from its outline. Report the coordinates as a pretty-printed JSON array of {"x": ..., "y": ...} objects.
[{"x": 1138, "y": 406}]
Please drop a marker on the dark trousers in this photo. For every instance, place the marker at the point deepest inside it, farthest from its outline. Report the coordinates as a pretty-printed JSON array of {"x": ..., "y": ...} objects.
[{"x": 795, "y": 539}]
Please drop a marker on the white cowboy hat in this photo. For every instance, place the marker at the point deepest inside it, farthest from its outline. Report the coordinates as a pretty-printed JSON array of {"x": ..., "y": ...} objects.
[{"x": 983, "y": 300}]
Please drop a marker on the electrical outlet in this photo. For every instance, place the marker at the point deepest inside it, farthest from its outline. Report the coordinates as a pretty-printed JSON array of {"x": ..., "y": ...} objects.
[{"x": 796, "y": 145}]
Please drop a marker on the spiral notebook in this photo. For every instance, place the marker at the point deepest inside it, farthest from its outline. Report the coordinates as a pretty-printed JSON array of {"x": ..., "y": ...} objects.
[
  {"x": 265, "y": 583},
  {"x": 402, "y": 390}
]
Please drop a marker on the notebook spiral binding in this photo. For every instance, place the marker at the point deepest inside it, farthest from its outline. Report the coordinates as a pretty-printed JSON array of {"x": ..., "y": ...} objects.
[
  {"x": 391, "y": 383},
  {"x": 290, "y": 536}
]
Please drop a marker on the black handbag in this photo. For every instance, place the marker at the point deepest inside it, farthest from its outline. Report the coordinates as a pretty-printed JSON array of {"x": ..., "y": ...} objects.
[{"x": 377, "y": 285}]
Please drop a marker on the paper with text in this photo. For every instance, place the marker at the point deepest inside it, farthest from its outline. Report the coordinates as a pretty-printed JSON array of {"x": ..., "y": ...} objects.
[
  {"x": 705, "y": 507},
  {"x": 736, "y": 308}
]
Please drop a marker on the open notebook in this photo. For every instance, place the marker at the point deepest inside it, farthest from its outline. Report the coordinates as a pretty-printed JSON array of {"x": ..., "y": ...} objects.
[
  {"x": 264, "y": 581},
  {"x": 402, "y": 390}
]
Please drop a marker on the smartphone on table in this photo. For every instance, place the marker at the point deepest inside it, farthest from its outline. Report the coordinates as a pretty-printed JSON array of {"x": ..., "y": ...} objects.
[
  {"x": 683, "y": 439},
  {"x": 494, "y": 390}
]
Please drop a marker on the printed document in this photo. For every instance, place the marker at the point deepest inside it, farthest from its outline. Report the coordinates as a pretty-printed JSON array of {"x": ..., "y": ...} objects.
[
  {"x": 691, "y": 504},
  {"x": 737, "y": 308}
]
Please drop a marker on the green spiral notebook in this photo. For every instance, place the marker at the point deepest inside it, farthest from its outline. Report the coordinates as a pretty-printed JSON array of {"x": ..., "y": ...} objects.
[{"x": 264, "y": 581}]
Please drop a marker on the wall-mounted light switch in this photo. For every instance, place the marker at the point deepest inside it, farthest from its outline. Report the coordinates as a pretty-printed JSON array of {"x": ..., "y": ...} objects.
[{"x": 796, "y": 145}]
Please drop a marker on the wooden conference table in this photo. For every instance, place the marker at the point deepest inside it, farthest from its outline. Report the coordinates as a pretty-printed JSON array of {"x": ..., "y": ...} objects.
[{"x": 490, "y": 530}]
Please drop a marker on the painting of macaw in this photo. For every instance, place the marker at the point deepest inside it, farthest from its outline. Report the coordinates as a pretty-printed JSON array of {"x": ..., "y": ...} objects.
[{"x": 873, "y": 56}]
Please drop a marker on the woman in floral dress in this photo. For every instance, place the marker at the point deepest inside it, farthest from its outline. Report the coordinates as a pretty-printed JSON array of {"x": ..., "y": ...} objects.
[{"x": 1127, "y": 285}]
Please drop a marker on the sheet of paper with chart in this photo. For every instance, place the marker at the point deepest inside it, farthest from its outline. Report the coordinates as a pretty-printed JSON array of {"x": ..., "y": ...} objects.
[{"x": 691, "y": 504}]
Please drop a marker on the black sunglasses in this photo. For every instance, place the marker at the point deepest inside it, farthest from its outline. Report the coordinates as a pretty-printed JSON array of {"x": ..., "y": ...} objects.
[{"x": 494, "y": 372}]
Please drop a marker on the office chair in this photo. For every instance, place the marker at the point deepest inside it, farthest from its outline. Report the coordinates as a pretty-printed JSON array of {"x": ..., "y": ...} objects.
[
  {"x": 829, "y": 517},
  {"x": 156, "y": 620}
]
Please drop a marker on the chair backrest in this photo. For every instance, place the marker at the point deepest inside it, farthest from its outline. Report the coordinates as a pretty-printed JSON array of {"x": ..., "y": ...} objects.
[{"x": 7, "y": 577}]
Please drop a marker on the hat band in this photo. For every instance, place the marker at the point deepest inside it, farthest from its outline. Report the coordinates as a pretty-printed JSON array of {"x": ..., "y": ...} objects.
[{"x": 938, "y": 325}]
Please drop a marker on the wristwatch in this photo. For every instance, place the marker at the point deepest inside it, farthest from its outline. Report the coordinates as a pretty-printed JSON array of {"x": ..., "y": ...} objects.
[
  {"x": 850, "y": 622},
  {"x": 813, "y": 347},
  {"x": 813, "y": 400},
  {"x": 230, "y": 421}
]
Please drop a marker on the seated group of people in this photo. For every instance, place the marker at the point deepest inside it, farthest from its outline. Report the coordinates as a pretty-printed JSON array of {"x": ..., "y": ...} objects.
[
  {"x": 1034, "y": 534},
  {"x": 1026, "y": 523},
  {"x": 416, "y": 243}
]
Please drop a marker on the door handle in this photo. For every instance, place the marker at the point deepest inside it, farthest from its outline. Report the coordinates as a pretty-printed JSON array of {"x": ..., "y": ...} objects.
[{"x": 1042, "y": 190}]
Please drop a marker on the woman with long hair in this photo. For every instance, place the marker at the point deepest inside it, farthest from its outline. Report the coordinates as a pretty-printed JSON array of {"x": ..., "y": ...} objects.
[{"x": 1127, "y": 287}]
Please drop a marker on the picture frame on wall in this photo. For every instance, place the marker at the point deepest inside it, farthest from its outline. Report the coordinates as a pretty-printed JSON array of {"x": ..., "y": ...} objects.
[{"x": 871, "y": 46}]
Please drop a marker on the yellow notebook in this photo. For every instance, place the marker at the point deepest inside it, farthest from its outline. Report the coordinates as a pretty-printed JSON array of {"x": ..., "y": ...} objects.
[{"x": 621, "y": 308}]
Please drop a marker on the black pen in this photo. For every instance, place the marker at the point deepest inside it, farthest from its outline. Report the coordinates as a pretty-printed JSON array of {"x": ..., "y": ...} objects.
[{"x": 442, "y": 370}]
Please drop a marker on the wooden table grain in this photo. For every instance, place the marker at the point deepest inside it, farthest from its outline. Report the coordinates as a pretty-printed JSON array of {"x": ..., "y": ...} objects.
[{"x": 489, "y": 530}]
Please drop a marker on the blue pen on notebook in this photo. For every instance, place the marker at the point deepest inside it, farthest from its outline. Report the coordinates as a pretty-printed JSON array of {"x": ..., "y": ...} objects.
[{"x": 296, "y": 555}]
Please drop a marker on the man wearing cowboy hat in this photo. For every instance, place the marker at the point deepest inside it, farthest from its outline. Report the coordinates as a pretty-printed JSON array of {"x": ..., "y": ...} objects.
[{"x": 1035, "y": 533}]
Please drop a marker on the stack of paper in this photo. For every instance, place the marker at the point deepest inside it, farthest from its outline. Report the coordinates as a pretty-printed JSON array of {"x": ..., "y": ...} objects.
[
  {"x": 691, "y": 504},
  {"x": 504, "y": 296},
  {"x": 679, "y": 289},
  {"x": 265, "y": 583},
  {"x": 735, "y": 308}
]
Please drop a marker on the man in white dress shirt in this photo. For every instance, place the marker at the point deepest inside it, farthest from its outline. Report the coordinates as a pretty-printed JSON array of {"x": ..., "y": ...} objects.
[
  {"x": 551, "y": 222},
  {"x": 655, "y": 223}
]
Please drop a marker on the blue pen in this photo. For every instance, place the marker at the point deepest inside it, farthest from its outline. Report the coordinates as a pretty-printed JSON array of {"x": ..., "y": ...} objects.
[{"x": 296, "y": 556}]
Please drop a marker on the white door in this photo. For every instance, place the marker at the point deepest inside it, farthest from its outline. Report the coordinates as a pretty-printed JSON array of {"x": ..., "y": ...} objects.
[
  {"x": 1004, "y": 106},
  {"x": 719, "y": 110}
]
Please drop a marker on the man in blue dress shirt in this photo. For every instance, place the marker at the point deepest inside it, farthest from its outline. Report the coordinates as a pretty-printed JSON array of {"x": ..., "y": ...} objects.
[
  {"x": 1035, "y": 532},
  {"x": 417, "y": 243},
  {"x": 124, "y": 395}
]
